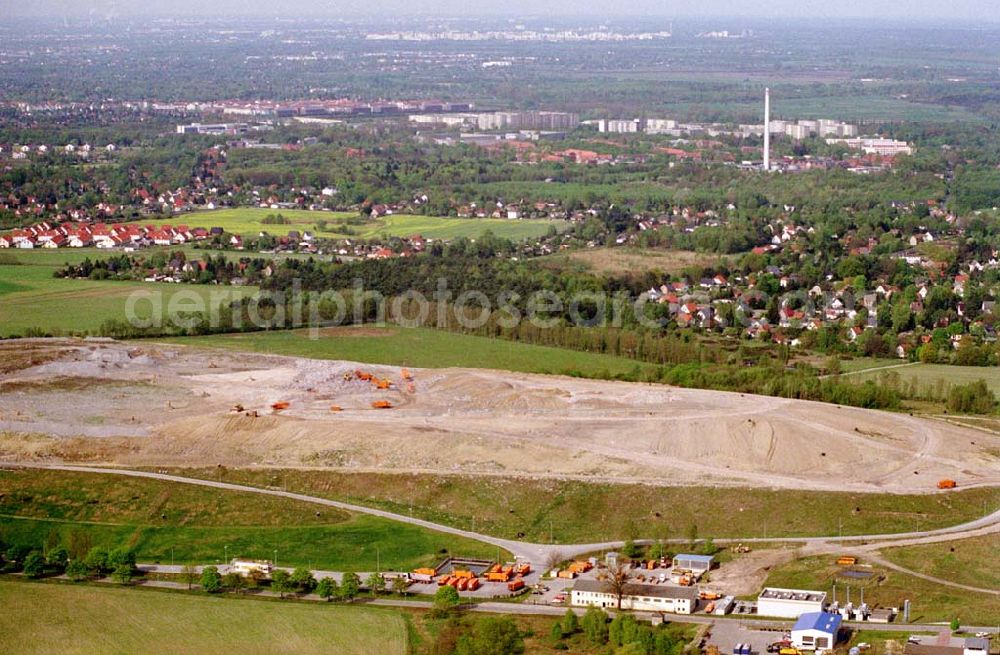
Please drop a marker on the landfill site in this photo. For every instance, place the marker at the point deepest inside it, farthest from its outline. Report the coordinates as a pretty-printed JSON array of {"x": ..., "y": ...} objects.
[{"x": 105, "y": 402}]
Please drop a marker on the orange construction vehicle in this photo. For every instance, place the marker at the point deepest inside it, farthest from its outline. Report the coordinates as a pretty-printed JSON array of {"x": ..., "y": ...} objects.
[
  {"x": 473, "y": 584},
  {"x": 498, "y": 576},
  {"x": 336, "y": 408},
  {"x": 947, "y": 484},
  {"x": 381, "y": 404},
  {"x": 281, "y": 405},
  {"x": 381, "y": 384},
  {"x": 515, "y": 585},
  {"x": 847, "y": 560},
  {"x": 463, "y": 574},
  {"x": 523, "y": 569},
  {"x": 406, "y": 374}
]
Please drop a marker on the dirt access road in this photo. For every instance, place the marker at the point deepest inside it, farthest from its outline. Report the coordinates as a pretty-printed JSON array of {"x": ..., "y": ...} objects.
[{"x": 154, "y": 405}]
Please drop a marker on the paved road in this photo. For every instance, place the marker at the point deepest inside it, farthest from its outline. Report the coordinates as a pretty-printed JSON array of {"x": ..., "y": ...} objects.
[
  {"x": 539, "y": 553},
  {"x": 547, "y": 610}
]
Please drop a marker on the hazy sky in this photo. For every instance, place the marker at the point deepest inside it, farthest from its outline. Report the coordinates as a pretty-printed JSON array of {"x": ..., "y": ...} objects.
[{"x": 980, "y": 10}]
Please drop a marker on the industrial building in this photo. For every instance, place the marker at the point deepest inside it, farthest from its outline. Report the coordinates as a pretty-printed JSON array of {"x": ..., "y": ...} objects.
[
  {"x": 636, "y": 596},
  {"x": 789, "y": 603},
  {"x": 946, "y": 645},
  {"x": 876, "y": 146},
  {"x": 697, "y": 564},
  {"x": 816, "y": 631}
]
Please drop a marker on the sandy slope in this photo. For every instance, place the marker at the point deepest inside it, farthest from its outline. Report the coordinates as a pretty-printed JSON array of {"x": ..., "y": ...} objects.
[{"x": 168, "y": 405}]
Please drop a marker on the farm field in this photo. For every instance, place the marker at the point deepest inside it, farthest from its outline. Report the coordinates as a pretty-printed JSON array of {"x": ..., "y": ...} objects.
[
  {"x": 968, "y": 561},
  {"x": 30, "y": 298},
  {"x": 930, "y": 602},
  {"x": 167, "y": 522},
  {"x": 578, "y": 512},
  {"x": 249, "y": 220},
  {"x": 422, "y": 347},
  {"x": 50, "y": 618},
  {"x": 618, "y": 261}
]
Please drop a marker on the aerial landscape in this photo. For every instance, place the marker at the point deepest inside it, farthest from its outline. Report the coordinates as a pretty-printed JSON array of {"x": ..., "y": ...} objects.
[{"x": 432, "y": 329}]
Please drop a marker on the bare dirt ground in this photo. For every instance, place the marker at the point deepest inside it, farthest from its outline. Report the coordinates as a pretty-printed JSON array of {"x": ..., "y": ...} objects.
[{"x": 157, "y": 405}]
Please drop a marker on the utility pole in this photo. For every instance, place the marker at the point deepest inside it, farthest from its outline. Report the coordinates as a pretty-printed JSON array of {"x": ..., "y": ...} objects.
[{"x": 226, "y": 551}]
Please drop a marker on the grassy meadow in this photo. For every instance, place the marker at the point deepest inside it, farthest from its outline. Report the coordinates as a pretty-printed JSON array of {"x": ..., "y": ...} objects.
[
  {"x": 968, "y": 561},
  {"x": 166, "y": 522},
  {"x": 420, "y": 347},
  {"x": 249, "y": 220},
  {"x": 30, "y": 298},
  {"x": 620, "y": 261},
  {"x": 931, "y": 377},
  {"x": 581, "y": 512},
  {"x": 61, "y": 618}
]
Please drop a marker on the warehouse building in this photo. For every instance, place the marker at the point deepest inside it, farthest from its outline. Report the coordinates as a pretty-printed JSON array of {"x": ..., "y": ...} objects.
[
  {"x": 636, "y": 596},
  {"x": 789, "y": 603},
  {"x": 816, "y": 631}
]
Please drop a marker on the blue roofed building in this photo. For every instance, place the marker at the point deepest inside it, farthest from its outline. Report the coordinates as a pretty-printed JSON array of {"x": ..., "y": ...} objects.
[{"x": 816, "y": 631}]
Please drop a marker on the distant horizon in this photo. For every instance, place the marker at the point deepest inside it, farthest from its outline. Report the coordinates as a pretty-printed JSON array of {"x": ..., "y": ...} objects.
[{"x": 915, "y": 11}]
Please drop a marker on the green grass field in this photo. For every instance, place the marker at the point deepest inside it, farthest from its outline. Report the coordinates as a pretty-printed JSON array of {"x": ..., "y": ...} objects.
[
  {"x": 930, "y": 377},
  {"x": 248, "y": 220},
  {"x": 167, "y": 522},
  {"x": 930, "y": 602},
  {"x": 61, "y": 257},
  {"x": 969, "y": 561},
  {"x": 30, "y": 297},
  {"x": 51, "y": 618},
  {"x": 582, "y": 512},
  {"x": 421, "y": 347}
]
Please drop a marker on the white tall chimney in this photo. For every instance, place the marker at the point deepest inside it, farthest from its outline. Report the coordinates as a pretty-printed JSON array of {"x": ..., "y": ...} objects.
[{"x": 767, "y": 129}]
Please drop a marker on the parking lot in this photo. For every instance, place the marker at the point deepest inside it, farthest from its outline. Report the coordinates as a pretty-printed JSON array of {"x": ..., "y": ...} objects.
[{"x": 726, "y": 634}]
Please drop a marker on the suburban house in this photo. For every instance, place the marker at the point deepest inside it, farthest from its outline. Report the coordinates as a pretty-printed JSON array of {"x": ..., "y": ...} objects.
[
  {"x": 636, "y": 596},
  {"x": 816, "y": 631}
]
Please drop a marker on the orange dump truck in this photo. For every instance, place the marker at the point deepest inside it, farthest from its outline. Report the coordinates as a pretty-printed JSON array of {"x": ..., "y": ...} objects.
[
  {"x": 523, "y": 569},
  {"x": 406, "y": 374},
  {"x": 847, "y": 560},
  {"x": 498, "y": 576},
  {"x": 473, "y": 584},
  {"x": 381, "y": 404},
  {"x": 463, "y": 574},
  {"x": 444, "y": 580},
  {"x": 336, "y": 408},
  {"x": 946, "y": 484},
  {"x": 580, "y": 566},
  {"x": 462, "y": 584},
  {"x": 515, "y": 585},
  {"x": 281, "y": 405}
]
